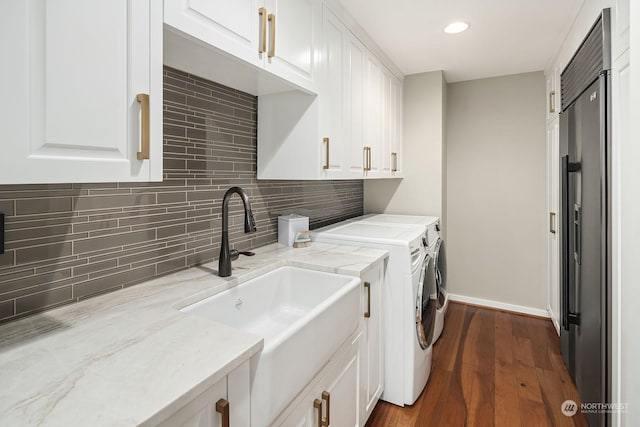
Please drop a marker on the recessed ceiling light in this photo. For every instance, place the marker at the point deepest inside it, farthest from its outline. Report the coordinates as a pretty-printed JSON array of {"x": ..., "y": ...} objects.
[{"x": 456, "y": 27}]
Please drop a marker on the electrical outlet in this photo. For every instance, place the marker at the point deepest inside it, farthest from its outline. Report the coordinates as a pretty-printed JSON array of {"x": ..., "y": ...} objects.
[{"x": 1, "y": 233}]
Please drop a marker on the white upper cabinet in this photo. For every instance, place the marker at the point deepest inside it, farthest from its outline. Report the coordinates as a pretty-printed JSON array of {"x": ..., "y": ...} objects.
[
  {"x": 373, "y": 117},
  {"x": 235, "y": 26},
  {"x": 71, "y": 109},
  {"x": 278, "y": 38},
  {"x": 333, "y": 121},
  {"x": 351, "y": 130},
  {"x": 355, "y": 103},
  {"x": 294, "y": 28}
]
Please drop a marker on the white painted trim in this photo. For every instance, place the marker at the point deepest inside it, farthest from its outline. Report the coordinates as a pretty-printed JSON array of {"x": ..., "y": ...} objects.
[
  {"x": 500, "y": 305},
  {"x": 552, "y": 316}
]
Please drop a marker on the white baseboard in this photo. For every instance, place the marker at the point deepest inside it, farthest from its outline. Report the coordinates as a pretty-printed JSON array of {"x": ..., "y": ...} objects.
[
  {"x": 553, "y": 319},
  {"x": 500, "y": 305}
]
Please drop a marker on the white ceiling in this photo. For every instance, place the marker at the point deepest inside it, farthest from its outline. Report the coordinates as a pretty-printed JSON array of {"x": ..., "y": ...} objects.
[{"x": 505, "y": 37}]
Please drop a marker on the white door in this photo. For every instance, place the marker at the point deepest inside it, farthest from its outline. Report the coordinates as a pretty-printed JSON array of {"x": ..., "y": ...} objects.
[
  {"x": 355, "y": 107},
  {"x": 333, "y": 96},
  {"x": 237, "y": 27},
  {"x": 294, "y": 31},
  {"x": 553, "y": 239},
  {"x": 388, "y": 121},
  {"x": 396, "y": 128},
  {"x": 340, "y": 392},
  {"x": 70, "y": 111},
  {"x": 373, "y": 116},
  {"x": 372, "y": 354},
  {"x": 211, "y": 406}
]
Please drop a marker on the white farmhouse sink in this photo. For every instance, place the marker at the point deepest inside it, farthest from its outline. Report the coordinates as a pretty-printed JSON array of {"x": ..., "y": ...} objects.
[{"x": 303, "y": 316}]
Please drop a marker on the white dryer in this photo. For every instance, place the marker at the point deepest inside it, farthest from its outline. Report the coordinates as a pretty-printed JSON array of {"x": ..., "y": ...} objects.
[
  {"x": 435, "y": 243},
  {"x": 409, "y": 302}
]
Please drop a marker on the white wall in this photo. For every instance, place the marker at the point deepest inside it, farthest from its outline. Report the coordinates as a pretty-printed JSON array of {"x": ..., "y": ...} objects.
[
  {"x": 496, "y": 190},
  {"x": 421, "y": 191}
]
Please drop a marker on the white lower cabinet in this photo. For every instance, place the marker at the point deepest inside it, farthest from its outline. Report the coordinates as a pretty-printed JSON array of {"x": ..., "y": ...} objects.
[
  {"x": 226, "y": 403},
  {"x": 334, "y": 399},
  {"x": 371, "y": 344}
]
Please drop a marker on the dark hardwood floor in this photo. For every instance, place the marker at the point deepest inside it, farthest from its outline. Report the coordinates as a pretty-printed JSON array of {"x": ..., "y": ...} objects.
[{"x": 490, "y": 368}]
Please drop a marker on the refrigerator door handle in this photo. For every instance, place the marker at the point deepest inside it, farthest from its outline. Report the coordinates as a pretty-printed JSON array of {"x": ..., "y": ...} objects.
[
  {"x": 568, "y": 317},
  {"x": 565, "y": 242},
  {"x": 577, "y": 233}
]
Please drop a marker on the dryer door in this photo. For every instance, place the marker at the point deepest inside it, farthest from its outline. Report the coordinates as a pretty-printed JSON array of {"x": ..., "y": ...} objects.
[
  {"x": 426, "y": 302},
  {"x": 441, "y": 271}
]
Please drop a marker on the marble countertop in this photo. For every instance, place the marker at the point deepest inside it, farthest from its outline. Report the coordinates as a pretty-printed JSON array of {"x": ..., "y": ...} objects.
[{"x": 130, "y": 357}]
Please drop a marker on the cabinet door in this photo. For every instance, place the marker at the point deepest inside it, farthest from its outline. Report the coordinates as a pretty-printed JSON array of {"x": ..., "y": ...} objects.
[
  {"x": 390, "y": 144},
  {"x": 294, "y": 31},
  {"x": 341, "y": 384},
  {"x": 232, "y": 392},
  {"x": 355, "y": 106},
  {"x": 373, "y": 115},
  {"x": 337, "y": 391},
  {"x": 201, "y": 412},
  {"x": 333, "y": 95},
  {"x": 396, "y": 147},
  {"x": 236, "y": 27},
  {"x": 553, "y": 280},
  {"x": 372, "y": 354},
  {"x": 387, "y": 142},
  {"x": 70, "y": 111}
]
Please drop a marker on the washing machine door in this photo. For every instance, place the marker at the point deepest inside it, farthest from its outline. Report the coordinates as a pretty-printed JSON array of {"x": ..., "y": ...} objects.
[
  {"x": 441, "y": 271},
  {"x": 426, "y": 302}
]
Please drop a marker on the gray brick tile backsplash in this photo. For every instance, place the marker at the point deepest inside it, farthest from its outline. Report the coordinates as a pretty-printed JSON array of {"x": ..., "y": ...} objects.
[{"x": 67, "y": 242}]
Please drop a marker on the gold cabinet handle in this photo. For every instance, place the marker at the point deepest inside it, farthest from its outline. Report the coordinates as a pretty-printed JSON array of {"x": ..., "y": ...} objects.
[
  {"x": 367, "y": 286},
  {"x": 222, "y": 407},
  {"x": 394, "y": 167},
  {"x": 262, "y": 45},
  {"x": 552, "y": 222},
  {"x": 326, "y": 396},
  {"x": 367, "y": 159},
  {"x": 272, "y": 36},
  {"x": 552, "y": 99},
  {"x": 143, "y": 99},
  {"x": 364, "y": 159},
  {"x": 317, "y": 404},
  {"x": 326, "y": 153}
]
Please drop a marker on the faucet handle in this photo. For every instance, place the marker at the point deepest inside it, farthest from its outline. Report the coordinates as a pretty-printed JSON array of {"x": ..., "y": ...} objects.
[{"x": 234, "y": 254}]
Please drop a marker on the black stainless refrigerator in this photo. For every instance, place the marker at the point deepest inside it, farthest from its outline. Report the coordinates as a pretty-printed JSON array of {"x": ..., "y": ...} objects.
[{"x": 585, "y": 123}]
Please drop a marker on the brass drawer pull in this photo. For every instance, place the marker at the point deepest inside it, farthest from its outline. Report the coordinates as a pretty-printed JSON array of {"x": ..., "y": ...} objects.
[
  {"x": 143, "y": 99},
  {"x": 552, "y": 101},
  {"x": 222, "y": 406},
  {"x": 552, "y": 222},
  {"x": 262, "y": 46},
  {"x": 317, "y": 404},
  {"x": 272, "y": 36},
  {"x": 326, "y": 153},
  {"x": 326, "y": 396},
  {"x": 394, "y": 157},
  {"x": 366, "y": 159},
  {"x": 367, "y": 286}
]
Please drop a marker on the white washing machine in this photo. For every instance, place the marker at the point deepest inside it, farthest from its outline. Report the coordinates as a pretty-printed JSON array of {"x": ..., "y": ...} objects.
[
  {"x": 409, "y": 302},
  {"x": 436, "y": 246}
]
